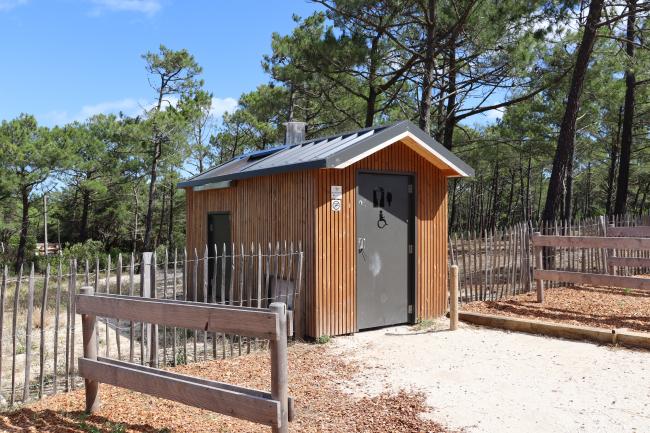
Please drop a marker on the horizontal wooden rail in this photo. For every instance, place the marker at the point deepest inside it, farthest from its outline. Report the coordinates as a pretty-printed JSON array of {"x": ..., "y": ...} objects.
[
  {"x": 629, "y": 262},
  {"x": 197, "y": 380},
  {"x": 591, "y": 242},
  {"x": 247, "y": 321},
  {"x": 637, "y": 231},
  {"x": 274, "y": 409},
  {"x": 238, "y": 402},
  {"x": 596, "y": 279}
]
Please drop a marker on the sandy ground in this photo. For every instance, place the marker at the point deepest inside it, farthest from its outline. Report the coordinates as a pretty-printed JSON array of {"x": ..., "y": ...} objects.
[{"x": 483, "y": 380}]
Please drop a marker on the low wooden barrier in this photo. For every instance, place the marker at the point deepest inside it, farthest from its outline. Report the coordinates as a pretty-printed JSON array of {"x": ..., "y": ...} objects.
[
  {"x": 273, "y": 409},
  {"x": 623, "y": 337},
  {"x": 540, "y": 274}
]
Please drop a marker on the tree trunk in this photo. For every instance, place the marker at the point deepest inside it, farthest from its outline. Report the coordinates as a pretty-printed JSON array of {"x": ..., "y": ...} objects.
[
  {"x": 148, "y": 221},
  {"x": 370, "y": 106},
  {"x": 429, "y": 66},
  {"x": 450, "y": 120},
  {"x": 613, "y": 161},
  {"x": 85, "y": 211},
  {"x": 566, "y": 138},
  {"x": 568, "y": 190},
  {"x": 170, "y": 224},
  {"x": 628, "y": 117},
  {"x": 452, "y": 219},
  {"x": 24, "y": 228},
  {"x": 161, "y": 221}
]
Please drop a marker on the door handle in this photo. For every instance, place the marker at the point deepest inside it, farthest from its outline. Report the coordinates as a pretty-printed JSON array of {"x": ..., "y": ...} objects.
[{"x": 361, "y": 244}]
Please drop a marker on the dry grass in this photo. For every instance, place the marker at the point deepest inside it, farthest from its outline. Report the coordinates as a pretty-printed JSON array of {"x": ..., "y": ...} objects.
[
  {"x": 603, "y": 307},
  {"x": 314, "y": 373}
]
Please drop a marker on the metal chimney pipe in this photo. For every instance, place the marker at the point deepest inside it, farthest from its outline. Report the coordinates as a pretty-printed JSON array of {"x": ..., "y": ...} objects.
[{"x": 295, "y": 132}]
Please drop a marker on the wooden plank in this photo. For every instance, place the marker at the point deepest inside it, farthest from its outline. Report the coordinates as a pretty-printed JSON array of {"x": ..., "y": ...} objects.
[
  {"x": 213, "y": 295},
  {"x": 223, "y": 296},
  {"x": 633, "y": 232},
  {"x": 19, "y": 281},
  {"x": 591, "y": 242},
  {"x": 118, "y": 289},
  {"x": 561, "y": 330},
  {"x": 153, "y": 327},
  {"x": 593, "y": 279},
  {"x": 194, "y": 296},
  {"x": 630, "y": 262},
  {"x": 453, "y": 299},
  {"x": 3, "y": 296},
  {"x": 57, "y": 311},
  {"x": 41, "y": 375},
  {"x": 89, "y": 335},
  {"x": 131, "y": 293},
  {"x": 240, "y": 404},
  {"x": 28, "y": 334},
  {"x": 192, "y": 379},
  {"x": 72, "y": 288},
  {"x": 174, "y": 287},
  {"x": 108, "y": 291},
  {"x": 279, "y": 367},
  {"x": 210, "y": 317}
]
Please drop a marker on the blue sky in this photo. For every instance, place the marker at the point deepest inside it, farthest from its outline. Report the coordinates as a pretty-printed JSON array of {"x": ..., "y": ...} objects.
[{"x": 64, "y": 60}]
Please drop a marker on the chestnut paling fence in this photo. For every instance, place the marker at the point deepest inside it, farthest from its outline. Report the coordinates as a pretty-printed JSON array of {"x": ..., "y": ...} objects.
[
  {"x": 500, "y": 263},
  {"x": 40, "y": 334}
]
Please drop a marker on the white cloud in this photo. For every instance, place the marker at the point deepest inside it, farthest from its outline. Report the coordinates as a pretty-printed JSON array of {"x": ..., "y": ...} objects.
[
  {"x": 493, "y": 114},
  {"x": 128, "y": 106},
  {"x": 148, "y": 7},
  {"x": 6, "y": 5},
  {"x": 221, "y": 105}
]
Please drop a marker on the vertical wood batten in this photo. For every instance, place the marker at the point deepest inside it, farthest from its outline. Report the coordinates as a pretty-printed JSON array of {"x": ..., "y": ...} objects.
[{"x": 296, "y": 207}]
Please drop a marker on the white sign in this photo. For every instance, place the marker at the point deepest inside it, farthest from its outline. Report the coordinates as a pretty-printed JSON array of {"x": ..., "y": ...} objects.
[
  {"x": 336, "y": 205},
  {"x": 337, "y": 192}
]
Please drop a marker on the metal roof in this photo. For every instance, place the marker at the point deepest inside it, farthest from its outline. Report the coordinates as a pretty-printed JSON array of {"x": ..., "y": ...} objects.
[{"x": 336, "y": 151}]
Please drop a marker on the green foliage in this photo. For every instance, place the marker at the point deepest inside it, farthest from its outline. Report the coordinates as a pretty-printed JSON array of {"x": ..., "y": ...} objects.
[
  {"x": 323, "y": 339},
  {"x": 111, "y": 180},
  {"x": 89, "y": 250}
]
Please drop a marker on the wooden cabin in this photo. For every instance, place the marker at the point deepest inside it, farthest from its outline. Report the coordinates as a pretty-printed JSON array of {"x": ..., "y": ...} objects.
[{"x": 369, "y": 208}]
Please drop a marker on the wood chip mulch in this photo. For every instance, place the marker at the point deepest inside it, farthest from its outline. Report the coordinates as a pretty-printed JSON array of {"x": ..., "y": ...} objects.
[
  {"x": 602, "y": 307},
  {"x": 314, "y": 374}
]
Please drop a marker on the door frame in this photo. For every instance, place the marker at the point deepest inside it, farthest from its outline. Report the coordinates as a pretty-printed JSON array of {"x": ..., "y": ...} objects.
[{"x": 412, "y": 240}]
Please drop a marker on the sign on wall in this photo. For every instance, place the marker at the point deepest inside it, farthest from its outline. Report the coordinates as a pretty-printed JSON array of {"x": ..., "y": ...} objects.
[{"x": 336, "y": 197}]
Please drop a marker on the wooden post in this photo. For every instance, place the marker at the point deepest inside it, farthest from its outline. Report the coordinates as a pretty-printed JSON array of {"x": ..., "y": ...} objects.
[
  {"x": 45, "y": 242},
  {"x": 88, "y": 324},
  {"x": 453, "y": 299},
  {"x": 279, "y": 368},
  {"x": 539, "y": 264},
  {"x": 611, "y": 269},
  {"x": 145, "y": 292},
  {"x": 153, "y": 327}
]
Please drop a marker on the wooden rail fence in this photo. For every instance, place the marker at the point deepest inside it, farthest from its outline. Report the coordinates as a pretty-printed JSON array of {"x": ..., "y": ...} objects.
[
  {"x": 248, "y": 404},
  {"x": 612, "y": 243},
  {"x": 40, "y": 338}
]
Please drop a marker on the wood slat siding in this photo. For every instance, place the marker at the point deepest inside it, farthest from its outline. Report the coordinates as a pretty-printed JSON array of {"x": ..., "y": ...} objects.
[
  {"x": 296, "y": 207},
  {"x": 336, "y": 239},
  {"x": 262, "y": 210}
]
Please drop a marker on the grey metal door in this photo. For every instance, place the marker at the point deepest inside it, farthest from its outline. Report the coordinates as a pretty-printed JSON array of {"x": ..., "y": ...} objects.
[{"x": 383, "y": 264}]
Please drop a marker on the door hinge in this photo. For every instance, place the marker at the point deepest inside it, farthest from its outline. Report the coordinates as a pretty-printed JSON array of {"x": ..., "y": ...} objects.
[
  {"x": 410, "y": 309},
  {"x": 411, "y": 248},
  {"x": 410, "y": 188}
]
